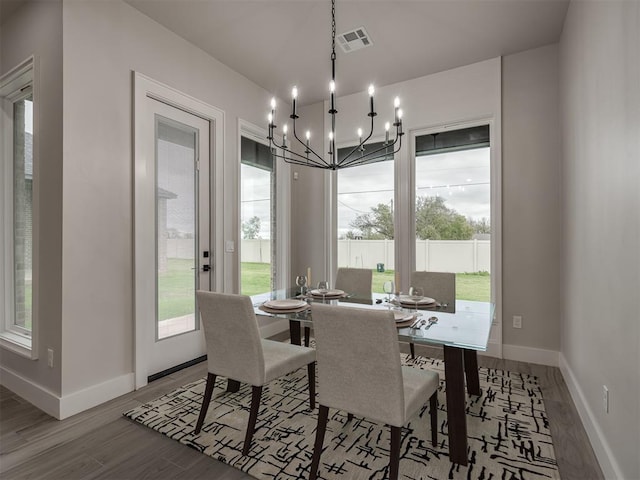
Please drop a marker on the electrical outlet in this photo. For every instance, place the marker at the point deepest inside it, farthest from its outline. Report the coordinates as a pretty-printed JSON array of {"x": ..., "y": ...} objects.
[
  {"x": 605, "y": 398},
  {"x": 50, "y": 357},
  {"x": 517, "y": 321}
]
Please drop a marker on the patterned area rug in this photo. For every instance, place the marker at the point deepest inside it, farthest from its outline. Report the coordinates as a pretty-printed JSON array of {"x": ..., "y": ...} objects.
[{"x": 507, "y": 427}]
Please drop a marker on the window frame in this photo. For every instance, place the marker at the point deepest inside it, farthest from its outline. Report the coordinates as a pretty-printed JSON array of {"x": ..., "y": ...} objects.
[
  {"x": 283, "y": 209},
  {"x": 494, "y": 189},
  {"x": 16, "y": 85}
]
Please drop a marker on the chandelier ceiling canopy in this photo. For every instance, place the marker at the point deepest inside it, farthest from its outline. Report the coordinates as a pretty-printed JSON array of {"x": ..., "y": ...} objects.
[{"x": 360, "y": 154}]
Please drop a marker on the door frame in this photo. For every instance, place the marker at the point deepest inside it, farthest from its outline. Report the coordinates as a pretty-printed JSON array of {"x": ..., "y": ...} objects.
[{"x": 144, "y": 223}]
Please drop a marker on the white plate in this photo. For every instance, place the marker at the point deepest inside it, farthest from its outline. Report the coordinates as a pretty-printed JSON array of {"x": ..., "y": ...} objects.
[
  {"x": 402, "y": 316},
  {"x": 286, "y": 304},
  {"x": 330, "y": 293},
  {"x": 406, "y": 300}
]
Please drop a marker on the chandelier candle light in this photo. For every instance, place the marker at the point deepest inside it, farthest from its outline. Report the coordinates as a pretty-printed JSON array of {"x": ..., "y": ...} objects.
[{"x": 359, "y": 154}]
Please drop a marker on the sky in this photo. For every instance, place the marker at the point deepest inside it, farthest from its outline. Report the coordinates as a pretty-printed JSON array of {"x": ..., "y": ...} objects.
[{"x": 462, "y": 178}]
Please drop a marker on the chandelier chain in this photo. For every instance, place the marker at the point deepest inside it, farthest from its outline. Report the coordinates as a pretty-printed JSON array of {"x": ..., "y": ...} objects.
[{"x": 333, "y": 29}]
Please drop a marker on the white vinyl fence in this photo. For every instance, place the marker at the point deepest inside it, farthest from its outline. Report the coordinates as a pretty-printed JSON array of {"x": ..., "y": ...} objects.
[{"x": 458, "y": 256}]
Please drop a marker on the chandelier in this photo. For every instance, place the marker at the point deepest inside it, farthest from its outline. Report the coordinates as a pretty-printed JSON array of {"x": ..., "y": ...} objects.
[{"x": 361, "y": 154}]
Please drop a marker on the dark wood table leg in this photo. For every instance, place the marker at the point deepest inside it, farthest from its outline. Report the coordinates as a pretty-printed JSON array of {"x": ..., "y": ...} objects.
[
  {"x": 454, "y": 377},
  {"x": 471, "y": 372},
  {"x": 294, "y": 332},
  {"x": 233, "y": 385}
]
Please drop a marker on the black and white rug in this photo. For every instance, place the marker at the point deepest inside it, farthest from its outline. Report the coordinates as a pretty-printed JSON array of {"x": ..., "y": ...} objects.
[{"x": 507, "y": 427}]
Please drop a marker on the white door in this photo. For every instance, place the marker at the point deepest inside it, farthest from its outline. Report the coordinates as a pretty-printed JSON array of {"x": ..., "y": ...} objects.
[{"x": 178, "y": 254}]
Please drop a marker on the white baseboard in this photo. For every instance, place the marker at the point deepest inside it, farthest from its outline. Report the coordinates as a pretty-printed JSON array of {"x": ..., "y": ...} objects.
[
  {"x": 44, "y": 399},
  {"x": 87, "y": 398},
  {"x": 530, "y": 355},
  {"x": 606, "y": 459},
  {"x": 68, "y": 405}
]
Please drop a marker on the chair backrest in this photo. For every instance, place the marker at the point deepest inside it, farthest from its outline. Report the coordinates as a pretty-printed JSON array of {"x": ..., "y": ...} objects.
[
  {"x": 359, "y": 362},
  {"x": 234, "y": 347},
  {"x": 356, "y": 281},
  {"x": 440, "y": 286}
]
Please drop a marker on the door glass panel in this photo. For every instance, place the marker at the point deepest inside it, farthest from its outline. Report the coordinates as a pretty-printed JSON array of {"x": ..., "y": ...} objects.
[
  {"x": 453, "y": 208},
  {"x": 176, "y": 227},
  {"x": 366, "y": 234},
  {"x": 257, "y": 218}
]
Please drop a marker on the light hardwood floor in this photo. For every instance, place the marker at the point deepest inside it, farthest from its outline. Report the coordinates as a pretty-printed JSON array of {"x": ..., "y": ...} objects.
[{"x": 101, "y": 444}]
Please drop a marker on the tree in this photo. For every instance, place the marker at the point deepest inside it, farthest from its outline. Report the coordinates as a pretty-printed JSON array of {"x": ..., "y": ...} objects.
[
  {"x": 434, "y": 221},
  {"x": 480, "y": 226},
  {"x": 376, "y": 225},
  {"x": 250, "y": 228}
]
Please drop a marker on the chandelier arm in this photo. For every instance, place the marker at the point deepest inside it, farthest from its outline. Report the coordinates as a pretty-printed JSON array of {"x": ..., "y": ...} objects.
[
  {"x": 366, "y": 159},
  {"x": 304, "y": 144},
  {"x": 359, "y": 146},
  {"x": 374, "y": 153},
  {"x": 302, "y": 160}
]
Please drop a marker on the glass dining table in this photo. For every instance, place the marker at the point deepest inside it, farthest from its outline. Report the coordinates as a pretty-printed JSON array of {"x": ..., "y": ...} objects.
[{"x": 462, "y": 329}]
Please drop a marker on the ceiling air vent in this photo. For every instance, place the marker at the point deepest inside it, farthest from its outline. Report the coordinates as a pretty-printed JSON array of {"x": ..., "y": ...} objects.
[{"x": 354, "y": 40}]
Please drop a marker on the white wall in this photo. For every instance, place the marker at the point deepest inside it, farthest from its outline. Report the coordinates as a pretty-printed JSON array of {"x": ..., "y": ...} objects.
[
  {"x": 600, "y": 92},
  {"x": 36, "y": 29},
  {"x": 532, "y": 223},
  {"x": 104, "y": 41}
]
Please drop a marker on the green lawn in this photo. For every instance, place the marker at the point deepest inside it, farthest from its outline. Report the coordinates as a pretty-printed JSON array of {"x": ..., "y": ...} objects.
[
  {"x": 469, "y": 286},
  {"x": 175, "y": 292},
  {"x": 176, "y": 285}
]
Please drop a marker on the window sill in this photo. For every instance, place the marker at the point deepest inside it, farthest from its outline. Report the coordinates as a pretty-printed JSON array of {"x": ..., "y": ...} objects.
[{"x": 18, "y": 344}]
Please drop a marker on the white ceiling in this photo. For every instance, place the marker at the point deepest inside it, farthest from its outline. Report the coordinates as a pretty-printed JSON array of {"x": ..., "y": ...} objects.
[{"x": 282, "y": 43}]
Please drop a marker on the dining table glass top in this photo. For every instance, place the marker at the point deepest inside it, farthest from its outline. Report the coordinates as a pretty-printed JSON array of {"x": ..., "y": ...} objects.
[{"x": 465, "y": 324}]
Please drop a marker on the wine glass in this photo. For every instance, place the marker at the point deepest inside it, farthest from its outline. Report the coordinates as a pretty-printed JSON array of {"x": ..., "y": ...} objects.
[
  {"x": 388, "y": 287},
  {"x": 301, "y": 281},
  {"x": 416, "y": 294},
  {"x": 323, "y": 289}
]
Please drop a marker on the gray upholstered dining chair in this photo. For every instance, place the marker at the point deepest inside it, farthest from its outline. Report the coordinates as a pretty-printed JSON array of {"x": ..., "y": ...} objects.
[
  {"x": 354, "y": 281},
  {"x": 236, "y": 351},
  {"x": 440, "y": 286},
  {"x": 359, "y": 371}
]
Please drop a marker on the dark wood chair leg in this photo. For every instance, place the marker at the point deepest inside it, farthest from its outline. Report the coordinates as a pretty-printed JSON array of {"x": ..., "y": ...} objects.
[
  {"x": 394, "y": 454},
  {"x": 413, "y": 350},
  {"x": 433, "y": 411},
  {"x": 311, "y": 375},
  {"x": 233, "y": 386},
  {"x": 349, "y": 417},
  {"x": 208, "y": 391},
  {"x": 307, "y": 336},
  {"x": 323, "y": 414},
  {"x": 294, "y": 332},
  {"x": 251, "y": 427}
]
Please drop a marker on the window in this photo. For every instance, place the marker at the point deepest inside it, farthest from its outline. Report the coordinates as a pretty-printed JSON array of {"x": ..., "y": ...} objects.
[
  {"x": 453, "y": 208},
  {"x": 258, "y": 265},
  {"x": 366, "y": 236},
  {"x": 18, "y": 160}
]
